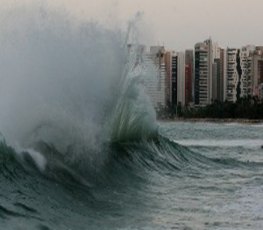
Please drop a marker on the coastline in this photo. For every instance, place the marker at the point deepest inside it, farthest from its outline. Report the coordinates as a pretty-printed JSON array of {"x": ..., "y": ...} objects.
[{"x": 214, "y": 120}]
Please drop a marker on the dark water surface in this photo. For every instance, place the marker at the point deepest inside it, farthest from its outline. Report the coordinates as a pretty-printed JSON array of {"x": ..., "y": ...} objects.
[{"x": 212, "y": 179}]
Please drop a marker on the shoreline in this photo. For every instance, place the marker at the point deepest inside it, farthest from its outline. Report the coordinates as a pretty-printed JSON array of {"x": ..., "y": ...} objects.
[{"x": 214, "y": 120}]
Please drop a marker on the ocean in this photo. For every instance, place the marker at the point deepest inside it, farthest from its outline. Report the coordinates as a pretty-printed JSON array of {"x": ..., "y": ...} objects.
[
  {"x": 192, "y": 176},
  {"x": 80, "y": 147}
]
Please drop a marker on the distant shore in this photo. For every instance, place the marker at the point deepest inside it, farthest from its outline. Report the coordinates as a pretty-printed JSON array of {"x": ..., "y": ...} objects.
[{"x": 215, "y": 120}]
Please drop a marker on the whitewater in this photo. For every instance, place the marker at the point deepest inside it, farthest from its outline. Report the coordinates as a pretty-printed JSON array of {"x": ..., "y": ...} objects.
[{"x": 81, "y": 148}]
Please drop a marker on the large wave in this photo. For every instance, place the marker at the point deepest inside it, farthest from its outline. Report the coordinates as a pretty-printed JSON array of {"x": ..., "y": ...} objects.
[
  {"x": 70, "y": 89},
  {"x": 72, "y": 100}
]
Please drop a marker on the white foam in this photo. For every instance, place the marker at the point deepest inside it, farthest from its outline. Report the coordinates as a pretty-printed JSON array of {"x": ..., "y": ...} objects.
[
  {"x": 38, "y": 158},
  {"x": 247, "y": 143},
  {"x": 257, "y": 125},
  {"x": 61, "y": 80}
]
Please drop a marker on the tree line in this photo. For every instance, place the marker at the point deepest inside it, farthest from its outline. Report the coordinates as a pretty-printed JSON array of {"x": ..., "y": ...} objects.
[{"x": 243, "y": 108}]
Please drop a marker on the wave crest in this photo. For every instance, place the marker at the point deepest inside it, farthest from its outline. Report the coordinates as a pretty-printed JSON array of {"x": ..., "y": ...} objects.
[{"x": 74, "y": 85}]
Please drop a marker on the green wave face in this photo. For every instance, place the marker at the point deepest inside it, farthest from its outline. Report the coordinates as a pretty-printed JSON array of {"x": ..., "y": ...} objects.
[{"x": 81, "y": 148}]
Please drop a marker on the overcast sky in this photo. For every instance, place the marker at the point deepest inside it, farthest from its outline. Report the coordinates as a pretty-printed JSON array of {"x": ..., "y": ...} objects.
[{"x": 179, "y": 24}]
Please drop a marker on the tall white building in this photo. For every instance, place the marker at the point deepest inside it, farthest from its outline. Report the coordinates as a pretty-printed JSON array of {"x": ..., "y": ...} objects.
[
  {"x": 232, "y": 75},
  {"x": 203, "y": 73},
  {"x": 239, "y": 73},
  {"x": 246, "y": 58},
  {"x": 181, "y": 78},
  {"x": 156, "y": 87},
  {"x": 257, "y": 69},
  {"x": 216, "y": 74},
  {"x": 244, "y": 72},
  {"x": 177, "y": 78}
]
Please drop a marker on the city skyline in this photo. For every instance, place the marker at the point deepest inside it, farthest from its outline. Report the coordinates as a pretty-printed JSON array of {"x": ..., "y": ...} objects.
[
  {"x": 206, "y": 74},
  {"x": 176, "y": 24}
]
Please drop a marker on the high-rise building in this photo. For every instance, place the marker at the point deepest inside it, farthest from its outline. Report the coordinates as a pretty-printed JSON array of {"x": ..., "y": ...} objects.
[
  {"x": 157, "y": 89},
  {"x": 223, "y": 76},
  {"x": 175, "y": 70},
  {"x": 203, "y": 73},
  {"x": 246, "y": 56},
  {"x": 177, "y": 79},
  {"x": 189, "y": 83},
  {"x": 174, "y": 79},
  {"x": 233, "y": 74},
  {"x": 244, "y": 72},
  {"x": 215, "y": 78},
  {"x": 218, "y": 73},
  {"x": 168, "y": 67},
  {"x": 257, "y": 72},
  {"x": 240, "y": 73},
  {"x": 181, "y": 78}
]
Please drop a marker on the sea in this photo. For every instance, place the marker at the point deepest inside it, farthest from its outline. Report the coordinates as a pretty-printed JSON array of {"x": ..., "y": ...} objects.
[
  {"x": 193, "y": 176},
  {"x": 80, "y": 146}
]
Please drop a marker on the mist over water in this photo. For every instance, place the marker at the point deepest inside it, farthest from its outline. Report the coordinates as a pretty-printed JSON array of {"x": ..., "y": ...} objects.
[
  {"x": 62, "y": 80},
  {"x": 80, "y": 146}
]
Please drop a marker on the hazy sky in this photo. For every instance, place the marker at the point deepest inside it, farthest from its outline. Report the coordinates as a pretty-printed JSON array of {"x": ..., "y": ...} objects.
[{"x": 179, "y": 24}]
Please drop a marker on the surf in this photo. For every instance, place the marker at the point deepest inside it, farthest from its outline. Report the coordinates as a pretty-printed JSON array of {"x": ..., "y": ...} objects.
[
  {"x": 69, "y": 91},
  {"x": 73, "y": 99}
]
